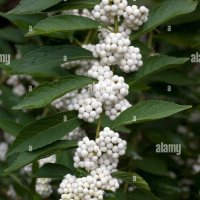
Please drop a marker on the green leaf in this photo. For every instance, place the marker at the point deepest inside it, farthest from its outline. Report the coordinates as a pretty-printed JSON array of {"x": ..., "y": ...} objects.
[
  {"x": 164, "y": 12},
  {"x": 50, "y": 170},
  {"x": 141, "y": 195},
  {"x": 63, "y": 23},
  {"x": 152, "y": 165},
  {"x": 33, "y": 6},
  {"x": 167, "y": 187},
  {"x": 46, "y": 61},
  {"x": 132, "y": 178},
  {"x": 74, "y": 4},
  {"x": 5, "y": 115},
  {"x": 154, "y": 65},
  {"x": 65, "y": 158},
  {"x": 47, "y": 92},
  {"x": 12, "y": 34},
  {"x": 184, "y": 39},
  {"x": 5, "y": 48},
  {"x": 45, "y": 131},
  {"x": 23, "y": 21},
  {"x": 2, "y": 1},
  {"x": 147, "y": 111},
  {"x": 188, "y": 18},
  {"x": 175, "y": 78},
  {"x": 12, "y": 121},
  {"x": 10, "y": 126},
  {"x": 28, "y": 157}
]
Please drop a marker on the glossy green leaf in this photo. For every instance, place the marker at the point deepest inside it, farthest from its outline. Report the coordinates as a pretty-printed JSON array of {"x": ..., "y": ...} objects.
[
  {"x": 46, "y": 61},
  {"x": 47, "y": 92},
  {"x": 25, "y": 158},
  {"x": 141, "y": 195},
  {"x": 24, "y": 22},
  {"x": 154, "y": 65},
  {"x": 152, "y": 165},
  {"x": 74, "y": 4},
  {"x": 147, "y": 111},
  {"x": 63, "y": 23},
  {"x": 10, "y": 126},
  {"x": 45, "y": 131},
  {"x": 132, "y": 178},
  {"x": 12, "y": 34},
  {"x": 51, "y": 170},
  {"x": 174, "y": 78},
  {"x": 33, "y": 6},
  {"x": 185, "y": 39},
  {"x": 5, "y": 48},
  {"x": 164, "y": 12},
  {"x": 12, "y": 121},
  {"x": 65, "y": 158}
]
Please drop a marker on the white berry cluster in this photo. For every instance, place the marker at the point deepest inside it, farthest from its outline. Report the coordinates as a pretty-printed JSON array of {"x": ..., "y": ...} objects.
[
  {"x": 100, "y": 158},
  {"x": 111, "y": 145},
  {"x": 115, "y": 49},
  {"x": 9, "y": 138},
  {"x": 83, "y": 13},
  {"x": 131, "y": 61},
  {"x": 27, "y": 169},
  {"x": 50, "y": 159},
  {"x": 196, "y": 166},
  {"x": 124, "y": 30},
  {"x": 82, "y": 66},
  {"x": 135, "y": 17},
  {"x": 107, "y": 10},
  {"x": 76, "y": 134},
  {"x": 16, "y": 82},
  {"x": 111, "y": 90},
  {"x": 114, "y": 110},
  {"x": 100, "y": 72},
  {"x": 84, "y": 188},
  {"x": 11, "y": 193},
  {"x": 3, "y": 150},
  {"x": 112, "y": 48},
  {"x": 87, "y": 154},
  {"x": 63, "y": 102},
  {"x": 89, "y": 108},
  {"x": 43, "y": 186}
]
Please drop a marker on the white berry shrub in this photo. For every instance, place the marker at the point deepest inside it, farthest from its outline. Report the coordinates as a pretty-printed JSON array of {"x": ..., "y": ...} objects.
[{"x": 93, "y": 102}]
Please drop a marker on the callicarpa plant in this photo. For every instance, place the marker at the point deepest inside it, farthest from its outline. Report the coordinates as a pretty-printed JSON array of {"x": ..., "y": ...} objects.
[{"x": 99, "y": 100}]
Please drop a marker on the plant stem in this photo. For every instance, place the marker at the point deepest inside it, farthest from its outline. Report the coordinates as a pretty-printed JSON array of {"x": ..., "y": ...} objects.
[
  {"x": 113, "y": 69},
  {"x": 125, "y": 188},
  {"x": 45, "y": 112},
  {"x": 99, "y": 126},
  {"x": 78, "y": 42},
  {"x": 126, "y": 184},
  {"x": 150, "y": 40},
  {"x": 87, "y": 39},
  {"x": 116, "y": 28}
]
